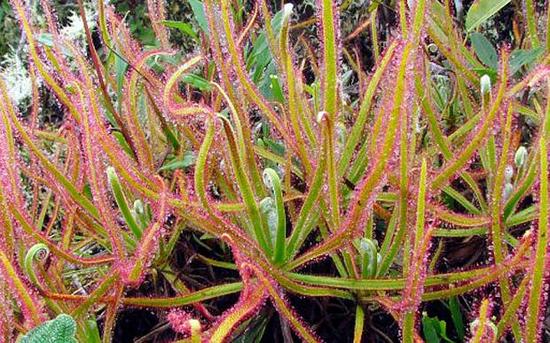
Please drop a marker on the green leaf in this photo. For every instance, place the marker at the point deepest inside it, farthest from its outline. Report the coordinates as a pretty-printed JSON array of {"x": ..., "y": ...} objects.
[
  {"x": 434, "y": 329},
  {"x": 186, "y": 161},
  {"x": 260, "y": 62},
  {"x": 481, "y": 10},
  {"x": 197, "y": 81},
  {"x": 520, "y": 58},
  {"x": 122, "y": 203},
  {"x": 492, "y": 73},
  {"x": 429, "y": 330},
  {"x": 484, "y": 50},
  {"x": 62, "y": 329},
  {"x": 276, "y": 89},
  {"x": 123, "y": 143},
  {"x": 456, "y": 316},
  {"x": 46, "y": 39},
  {"x": 185, "y": 28},
  {"x": 120, "y": 70},
  {"x": 252, "y": 330},
  {"x": 91, "y": 331},
  {"x": 200, "y": 16}
]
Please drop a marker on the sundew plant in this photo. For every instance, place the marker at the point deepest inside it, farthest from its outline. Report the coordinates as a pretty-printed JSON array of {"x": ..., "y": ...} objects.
[{"x": 278, "y": 167}]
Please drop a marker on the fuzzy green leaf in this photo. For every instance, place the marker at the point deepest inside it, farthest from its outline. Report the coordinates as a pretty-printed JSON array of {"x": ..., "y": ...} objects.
[{"x": 62, "y": 329}]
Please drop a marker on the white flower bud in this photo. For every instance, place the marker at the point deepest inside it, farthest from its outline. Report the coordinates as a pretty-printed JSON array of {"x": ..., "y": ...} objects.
[
  {"x": 520, "y": 156},
  {"x": 485, "y": 84}
]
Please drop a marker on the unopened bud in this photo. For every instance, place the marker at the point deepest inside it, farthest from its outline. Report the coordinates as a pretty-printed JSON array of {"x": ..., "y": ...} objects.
[
  {"x": 485, "y": 84},
  {"x": 520, "y": 156}
]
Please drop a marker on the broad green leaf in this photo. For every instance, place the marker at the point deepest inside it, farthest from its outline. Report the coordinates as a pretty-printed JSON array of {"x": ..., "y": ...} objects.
[
  {"x": 481, "y": 10},
  {"x": 186, "y": 161},
  {"x": 185, "y": 28},
  {"x": 434, "y": 330},
  {"x": 276, "y": 89},
  {"x": 484, "y": 50},
  {"x": 260, "y": 62},
  {"x": 92, "y": 331},
  {"x": 492, "y": 73},
  {"x": 197, "y": 81},
  {"x": 520, "y": 58},
  {"x": 429, "y": 330},
  {"x": 252, "y": 330},
  {"x": 120, "y": 69},
  {"x": 46, "y": 39},
  {"x": 200, "y": 16}
]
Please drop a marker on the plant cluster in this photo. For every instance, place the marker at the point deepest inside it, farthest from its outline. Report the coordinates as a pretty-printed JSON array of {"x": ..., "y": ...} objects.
[{"x": 256, "y": 148}]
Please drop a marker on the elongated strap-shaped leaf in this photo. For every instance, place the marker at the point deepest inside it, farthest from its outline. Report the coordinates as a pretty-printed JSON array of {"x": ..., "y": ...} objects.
[
  {"x": 182, "y": 109},
  {"x": 359, "y": 323},
  {"x": 45, "y": 162},
  {"x": 157, "y": 13},
  {"x": 442, "y": 141},
  {"x": 186, "y": 299},
  {"x": 245, "y": 187},
  {"x": 329, "y": 26},
  {"x": 482, "y": 331},
  {"x": 146, "y": 246},
  {"x": 497, "y": 224},
  {"x": 504, "y": 269},
  {"x": 97, "y": 176},
  {"x": 200, "y": 165},
  {"x": 291, "y": 85},
  {"x": 124, "y": 166},
  {"x": 29, "y": 306},
  {"x": 513, "y": 307},
  {"x": 473, "y": 144},
  {"x": 122, "y": 203},
  {"x": 417, "y": 272},
  {"x": 458, "y": 218},
  {"x": 399, "y": 283},
  {"x": 299, "y": 234},
  {"x": 365, "y": 191},
  {"x": 252, "y": 297},
  {"x": 284, "y": 308},
  {"x": 251, "y": 91},
  {"x": 40, "y": 65},
  {"x": 328, "y": 130},
  {"x": 361, "y": 120},
  {"x": 272, "y": 181},
  {"x": 534, "y": 313}
]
